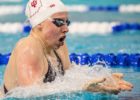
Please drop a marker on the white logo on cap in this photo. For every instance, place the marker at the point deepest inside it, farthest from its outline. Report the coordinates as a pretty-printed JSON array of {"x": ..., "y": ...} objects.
[
  {"x": 34, "y": 7},
  {"x": 34, "y": 3}
]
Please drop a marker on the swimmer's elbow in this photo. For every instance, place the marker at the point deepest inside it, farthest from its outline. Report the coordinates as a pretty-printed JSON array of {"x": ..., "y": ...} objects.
[
  {"x": 27, "y": 81},
  {"x": 1, "y": 93},
  {"x": 28, "y": 75}
]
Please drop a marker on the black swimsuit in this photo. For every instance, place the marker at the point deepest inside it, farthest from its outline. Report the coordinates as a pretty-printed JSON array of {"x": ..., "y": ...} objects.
[
  {"x": 51, "y": 74},
  {"x": 5, "y": 90}
]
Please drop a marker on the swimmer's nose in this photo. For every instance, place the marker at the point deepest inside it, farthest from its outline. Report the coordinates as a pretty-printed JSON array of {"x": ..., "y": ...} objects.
[{"x": 65, "y": 29}]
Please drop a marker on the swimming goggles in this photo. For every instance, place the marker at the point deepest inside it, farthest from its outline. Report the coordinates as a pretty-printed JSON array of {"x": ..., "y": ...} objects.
[{"x": 60, "y": 22}]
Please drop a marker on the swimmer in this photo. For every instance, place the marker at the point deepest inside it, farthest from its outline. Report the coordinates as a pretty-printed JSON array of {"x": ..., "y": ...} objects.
[{"x": 43, "y": 53}]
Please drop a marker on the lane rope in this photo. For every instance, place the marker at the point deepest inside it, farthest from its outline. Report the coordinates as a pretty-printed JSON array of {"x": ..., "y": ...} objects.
[
  {"x": 81, "y": 28},
  {"x": 111, "y": 59}
]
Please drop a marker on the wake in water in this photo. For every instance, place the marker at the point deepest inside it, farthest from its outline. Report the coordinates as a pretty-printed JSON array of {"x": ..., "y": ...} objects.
[{"x": 73, "y": 80}]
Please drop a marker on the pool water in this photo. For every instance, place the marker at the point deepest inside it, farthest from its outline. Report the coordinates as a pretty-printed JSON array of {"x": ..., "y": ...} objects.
[
  {"x": 92, "y": 44},
  {"x": 121, "y": 42},
  {"x": 79, "y": 95}
]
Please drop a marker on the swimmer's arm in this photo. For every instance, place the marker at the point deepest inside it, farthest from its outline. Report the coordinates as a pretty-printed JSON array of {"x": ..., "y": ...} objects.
[{"x": 28, "y": 67}]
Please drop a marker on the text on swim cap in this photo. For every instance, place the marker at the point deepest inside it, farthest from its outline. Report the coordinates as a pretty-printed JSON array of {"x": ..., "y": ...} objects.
[
  {"x": 35, "y": 6},
  {"x": 34, "y": 3},
  {"x": 52, "y": 5}
]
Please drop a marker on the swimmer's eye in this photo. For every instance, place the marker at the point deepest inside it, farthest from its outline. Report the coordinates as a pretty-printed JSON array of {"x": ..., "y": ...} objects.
[{"x": 60, "y": 22}]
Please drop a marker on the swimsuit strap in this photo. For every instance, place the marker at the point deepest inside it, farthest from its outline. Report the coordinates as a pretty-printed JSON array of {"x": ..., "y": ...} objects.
[
  {"x": 51, "y": 74},
  {"x": 60, "y": 66}
]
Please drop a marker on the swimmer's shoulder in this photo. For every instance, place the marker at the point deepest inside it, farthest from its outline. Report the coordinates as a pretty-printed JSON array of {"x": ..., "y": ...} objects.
[
  {"x": 28, "y": 43},
  {"x": 27, "y": 52},
  {"x": 28, "y": 48}
]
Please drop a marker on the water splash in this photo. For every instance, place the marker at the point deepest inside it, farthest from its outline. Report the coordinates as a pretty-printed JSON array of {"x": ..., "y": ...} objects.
[{"x": 73, "y": 80}]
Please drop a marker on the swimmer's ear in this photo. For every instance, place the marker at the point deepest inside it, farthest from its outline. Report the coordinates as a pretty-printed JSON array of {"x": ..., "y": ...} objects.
[{"x": 39, "y": 27}]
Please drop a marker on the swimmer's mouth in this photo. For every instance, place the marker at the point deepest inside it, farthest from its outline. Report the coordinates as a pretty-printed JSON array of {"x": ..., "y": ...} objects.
[{"x": 62, "y": 39}]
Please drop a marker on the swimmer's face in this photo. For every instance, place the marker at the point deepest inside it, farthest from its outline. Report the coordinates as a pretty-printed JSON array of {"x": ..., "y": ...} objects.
[{"x": 54, "y": 29}]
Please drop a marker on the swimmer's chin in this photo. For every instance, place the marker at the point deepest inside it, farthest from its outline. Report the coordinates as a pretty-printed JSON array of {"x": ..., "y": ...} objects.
[{"x": 59, "y": 45}]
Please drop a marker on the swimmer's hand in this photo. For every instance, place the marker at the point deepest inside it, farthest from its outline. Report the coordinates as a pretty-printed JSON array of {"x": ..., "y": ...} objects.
[
  {"x": 101, "y": 85},
  {"x": 122, "y": 84},
  {"x": 92, "y": 85}
]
